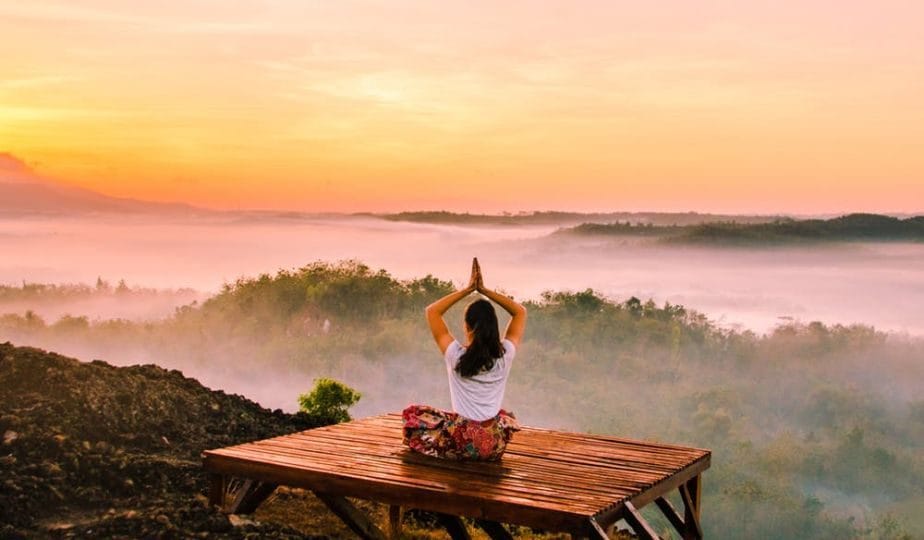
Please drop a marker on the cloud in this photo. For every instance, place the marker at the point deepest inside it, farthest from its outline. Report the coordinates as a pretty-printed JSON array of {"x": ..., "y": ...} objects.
[
  {"x": 176, "y": 24},
  {"x": 35, "y": 82}
]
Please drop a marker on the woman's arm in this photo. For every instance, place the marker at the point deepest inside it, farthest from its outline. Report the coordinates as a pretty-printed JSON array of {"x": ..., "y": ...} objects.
[{"x": 435, "y": 311}]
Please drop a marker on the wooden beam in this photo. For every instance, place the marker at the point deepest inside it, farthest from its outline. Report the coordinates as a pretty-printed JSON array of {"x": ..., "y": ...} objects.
[
  {"x": 693, "y": 529},
  {"x": 695, "y": 487},
  {"x": 596, "y": 530},
  {"x": 671, "y": 514},
  {"x": 641, "y": 527},
  {"x": 249, "y": 497},
  {"x": 217, "y": 489},
  {"x": 495, "y": 530},
  {"x": 357, "y": 521},
  {"x": 395, "y": 517},
  {"x": 454, "y": 526},
  {"x": 245, "y": 486}
]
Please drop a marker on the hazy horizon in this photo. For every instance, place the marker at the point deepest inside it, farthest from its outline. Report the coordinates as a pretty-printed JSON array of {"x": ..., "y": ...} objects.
[{"x": 879, "y": 284}]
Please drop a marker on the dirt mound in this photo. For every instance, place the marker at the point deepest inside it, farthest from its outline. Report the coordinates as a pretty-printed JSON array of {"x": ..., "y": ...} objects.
[{"x": 89, "y": 449}]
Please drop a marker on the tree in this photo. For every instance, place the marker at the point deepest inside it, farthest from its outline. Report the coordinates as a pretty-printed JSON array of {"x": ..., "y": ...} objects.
[{"x": 329, "y": 400}]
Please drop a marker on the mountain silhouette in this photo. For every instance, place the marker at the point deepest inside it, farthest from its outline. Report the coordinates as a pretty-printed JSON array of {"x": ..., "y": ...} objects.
[{"x": 23, "y": 191}]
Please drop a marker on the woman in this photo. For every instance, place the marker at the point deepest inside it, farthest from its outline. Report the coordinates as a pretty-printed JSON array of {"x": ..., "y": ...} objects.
[{"x": 477, "y": 428}]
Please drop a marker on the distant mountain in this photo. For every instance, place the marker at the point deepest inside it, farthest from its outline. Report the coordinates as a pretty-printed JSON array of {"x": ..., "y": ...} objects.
[
  {"x": 22, "y": 191},
  {"x": 847, "y": 228},
  {"x": 570, "y": 218}
]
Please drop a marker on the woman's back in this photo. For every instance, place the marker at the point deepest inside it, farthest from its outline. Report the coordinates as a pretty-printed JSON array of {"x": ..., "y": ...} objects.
[{"x": 480, "y": 396}]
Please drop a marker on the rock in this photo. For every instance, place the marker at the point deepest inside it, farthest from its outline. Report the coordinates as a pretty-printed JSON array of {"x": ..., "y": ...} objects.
[
  {"x": 164, "y": 520},
  {"x": 239, "y": 521},
  {"x": 52, "y": 469}
]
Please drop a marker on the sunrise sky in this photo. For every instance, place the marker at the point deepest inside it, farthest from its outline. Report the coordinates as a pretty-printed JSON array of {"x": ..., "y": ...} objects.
[{"x": 806, "y": 107}]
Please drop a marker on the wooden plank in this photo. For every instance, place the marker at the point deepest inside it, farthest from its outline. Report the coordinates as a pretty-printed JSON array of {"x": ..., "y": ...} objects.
[
  {"x": 551, "y": 440},
  {"x": 357, "y": 521},
  {"x": 438, "y": 470},
  {"x": 611, "y": 463},
  {"x": 528, "y": 471},
  {"x": 447, "y": 481},
  {"x": 505, "y": 511},
  {"x": 638, "y": 523}
]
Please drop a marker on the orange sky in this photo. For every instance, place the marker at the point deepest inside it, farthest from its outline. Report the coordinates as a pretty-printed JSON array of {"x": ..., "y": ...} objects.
[{"x": 808, "y": 106}]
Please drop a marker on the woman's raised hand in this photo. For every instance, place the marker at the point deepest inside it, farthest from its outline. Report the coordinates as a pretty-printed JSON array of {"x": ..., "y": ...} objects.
[
  {"x": 476, "y": 273},
  {"x": 475, "y": 282}
]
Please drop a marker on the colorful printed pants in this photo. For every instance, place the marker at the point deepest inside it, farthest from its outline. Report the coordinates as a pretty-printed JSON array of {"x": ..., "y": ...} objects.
[{"x": 438, "y": 433}]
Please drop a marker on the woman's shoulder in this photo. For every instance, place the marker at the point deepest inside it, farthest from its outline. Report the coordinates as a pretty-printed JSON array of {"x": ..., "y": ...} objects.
[
  {"x": 510, "y": 350},
  {"x": 454, "y": 350}
]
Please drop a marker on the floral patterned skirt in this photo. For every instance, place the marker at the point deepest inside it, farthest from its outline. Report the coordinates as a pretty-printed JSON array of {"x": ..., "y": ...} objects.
[{"x": 438, "y": 433}]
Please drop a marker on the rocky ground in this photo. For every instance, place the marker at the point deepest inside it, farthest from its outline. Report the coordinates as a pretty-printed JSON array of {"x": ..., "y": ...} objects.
[{"x": 93, "y": 450}]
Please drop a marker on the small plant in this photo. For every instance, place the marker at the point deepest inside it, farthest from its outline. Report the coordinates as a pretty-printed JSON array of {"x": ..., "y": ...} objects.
[{"x": 329, "y": 400}]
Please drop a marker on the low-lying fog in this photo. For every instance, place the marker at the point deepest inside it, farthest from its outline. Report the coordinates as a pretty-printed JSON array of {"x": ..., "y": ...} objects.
[{"x": 880, "y": 284}]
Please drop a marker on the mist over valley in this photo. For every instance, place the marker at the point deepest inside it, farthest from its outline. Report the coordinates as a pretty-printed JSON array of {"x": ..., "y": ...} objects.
[{"x": 799, "y": 365}]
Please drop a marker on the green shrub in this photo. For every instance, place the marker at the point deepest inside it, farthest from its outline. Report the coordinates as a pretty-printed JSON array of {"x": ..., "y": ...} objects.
[{"x": 329, "y": 400}]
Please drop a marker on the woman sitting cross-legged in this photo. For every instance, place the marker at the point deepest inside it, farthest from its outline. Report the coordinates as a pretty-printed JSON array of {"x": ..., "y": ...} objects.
[{"x": 477, "y": 428}]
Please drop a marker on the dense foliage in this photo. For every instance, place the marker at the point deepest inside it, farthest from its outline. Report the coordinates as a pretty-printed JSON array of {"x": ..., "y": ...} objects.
[
  {"x": 816, "y": 430},
  {"x": 852, "y": 227}
]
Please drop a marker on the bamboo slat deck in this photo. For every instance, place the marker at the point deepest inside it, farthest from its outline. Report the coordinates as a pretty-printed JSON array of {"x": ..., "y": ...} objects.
[{"x": 553, "y": 480}]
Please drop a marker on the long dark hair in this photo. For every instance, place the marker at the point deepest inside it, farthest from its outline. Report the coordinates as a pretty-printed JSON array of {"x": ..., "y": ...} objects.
[{"x": 486, "y": 345}]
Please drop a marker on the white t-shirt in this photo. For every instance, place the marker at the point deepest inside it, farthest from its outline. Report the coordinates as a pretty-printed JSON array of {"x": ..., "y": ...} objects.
[{"x": 478, "y": 397}]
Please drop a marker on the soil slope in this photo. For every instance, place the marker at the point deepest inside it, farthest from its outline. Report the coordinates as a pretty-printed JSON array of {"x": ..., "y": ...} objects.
[{"x": 89, "y": 449}]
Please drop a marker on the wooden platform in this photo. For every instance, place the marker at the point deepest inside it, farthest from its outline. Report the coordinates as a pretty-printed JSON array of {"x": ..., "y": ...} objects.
[{"x": 553, "y": 480}]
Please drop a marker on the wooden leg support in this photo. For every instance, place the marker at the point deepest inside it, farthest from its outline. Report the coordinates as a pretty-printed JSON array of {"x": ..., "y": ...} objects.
[
  {"x": 495, "y": 530},
  {"x": 454, "y": 526},
  {"x": 357, "y": 521},
  {"x": 217, "y": 490},
  {"x": 596, "y": 531},
  {"x": 246, "y": 494},
  {"x": 395, "y": 517},
  {"x": 249, "y": 496},
  {"x": 639, "y": 525},
  {"x": 691, "y": 492},
  {"x": 671, "y": 514}
]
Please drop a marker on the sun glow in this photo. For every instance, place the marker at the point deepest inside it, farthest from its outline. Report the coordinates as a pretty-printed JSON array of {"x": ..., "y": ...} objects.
[{"x": 389, "y": 106}]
